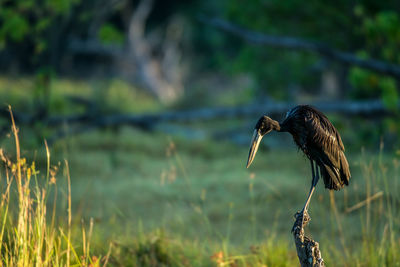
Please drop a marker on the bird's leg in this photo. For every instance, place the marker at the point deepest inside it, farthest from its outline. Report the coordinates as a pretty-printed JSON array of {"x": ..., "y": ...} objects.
[{"x": 315, "y": 178}]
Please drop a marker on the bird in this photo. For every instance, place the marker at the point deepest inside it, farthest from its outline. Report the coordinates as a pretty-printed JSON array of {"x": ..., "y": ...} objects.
[{"x": 316, "y": 136}]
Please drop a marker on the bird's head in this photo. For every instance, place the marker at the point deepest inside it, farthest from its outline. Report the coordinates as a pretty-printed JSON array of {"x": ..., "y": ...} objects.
[{"x": 264, "y": 125}]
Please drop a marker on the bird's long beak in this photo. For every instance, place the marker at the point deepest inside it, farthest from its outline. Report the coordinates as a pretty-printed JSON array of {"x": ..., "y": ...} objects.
[{"x": 255, "y": 142}]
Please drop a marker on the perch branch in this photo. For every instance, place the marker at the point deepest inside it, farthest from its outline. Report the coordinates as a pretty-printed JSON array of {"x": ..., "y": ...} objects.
[
  {"x": 307, "y": 249},
  {"x": 305, "y": 45}
]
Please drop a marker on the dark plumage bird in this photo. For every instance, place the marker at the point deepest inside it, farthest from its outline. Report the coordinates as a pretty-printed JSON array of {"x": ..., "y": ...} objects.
[{"x": 315, "y": 135}]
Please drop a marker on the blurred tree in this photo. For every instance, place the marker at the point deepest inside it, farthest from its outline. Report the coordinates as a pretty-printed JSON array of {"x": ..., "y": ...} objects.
[
  {"x": 366, "y": 27},
  {"x": 345, "y": 25},
  {"x": 32, "y": 31},
  {"x": 87, "y": 37},
  {"x": 36, "y": 33},
  {"x": 382, "y": 40}
]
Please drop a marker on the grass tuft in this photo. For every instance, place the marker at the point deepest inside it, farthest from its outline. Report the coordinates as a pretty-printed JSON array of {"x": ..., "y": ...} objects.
[{"x": 26, "y": 237}]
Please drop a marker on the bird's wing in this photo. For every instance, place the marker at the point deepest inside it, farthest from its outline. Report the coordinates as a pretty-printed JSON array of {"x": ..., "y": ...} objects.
[
  {"x": 323, "y": 136},
  {"x": 325, "y": 144}
]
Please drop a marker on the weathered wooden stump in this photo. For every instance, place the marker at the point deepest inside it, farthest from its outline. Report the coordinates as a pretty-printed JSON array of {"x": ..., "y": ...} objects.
[{"x": 307, "y": 249}]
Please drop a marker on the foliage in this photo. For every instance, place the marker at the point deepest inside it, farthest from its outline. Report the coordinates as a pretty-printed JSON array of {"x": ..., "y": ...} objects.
[
  {"x": 109, "y": 34},
  {"x": 32, "y": 25},
  {"x": 382, "y": 37},
  {"x": 381, "y": 32}
]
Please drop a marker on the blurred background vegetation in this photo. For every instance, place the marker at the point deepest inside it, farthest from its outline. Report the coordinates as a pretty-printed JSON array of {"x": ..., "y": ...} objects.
[
  {"x": 68, "y": 66},
  {"x": 166, "y": 54}
]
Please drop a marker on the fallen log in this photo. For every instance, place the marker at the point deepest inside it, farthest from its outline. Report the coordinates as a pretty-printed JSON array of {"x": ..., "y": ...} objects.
[
  {"x": 147, "y": 121},
  {"x": 367, "y": 108}
]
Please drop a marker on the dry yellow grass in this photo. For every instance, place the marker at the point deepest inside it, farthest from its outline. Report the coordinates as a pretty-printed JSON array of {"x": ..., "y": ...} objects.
[{"x": 26, "y": 238}]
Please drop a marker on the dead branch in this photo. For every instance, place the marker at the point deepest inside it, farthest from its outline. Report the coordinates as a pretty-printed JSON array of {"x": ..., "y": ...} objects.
[
  {"x": 150, "y": 68},
  {"x": 307, "y": 249},
  {"x": 305, "y": 45},
  {"x": 365, "y": 201}
]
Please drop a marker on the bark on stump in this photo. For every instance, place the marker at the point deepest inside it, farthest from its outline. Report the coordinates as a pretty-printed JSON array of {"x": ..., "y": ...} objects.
[{"x": 307, "y": 249}]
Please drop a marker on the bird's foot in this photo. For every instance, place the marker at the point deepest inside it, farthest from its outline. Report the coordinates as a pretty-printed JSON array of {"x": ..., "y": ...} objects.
[{"x": 302, "y": 218}]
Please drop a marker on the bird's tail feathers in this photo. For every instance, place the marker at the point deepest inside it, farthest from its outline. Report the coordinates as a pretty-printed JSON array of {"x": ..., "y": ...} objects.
[
  {"x": 331, "y": 177},
  {"x": 335, "y": 178},
  {"x": 344, "y": 169}
]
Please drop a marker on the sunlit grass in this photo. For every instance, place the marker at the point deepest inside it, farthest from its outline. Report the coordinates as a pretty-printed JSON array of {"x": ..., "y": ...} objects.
[
  {"x": 31, "y": 234},
  {"x": 110, "y": 95}
]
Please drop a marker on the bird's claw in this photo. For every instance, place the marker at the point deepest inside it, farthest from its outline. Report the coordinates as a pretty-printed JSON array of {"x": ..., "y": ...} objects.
[{"x": 302, "y": 218}]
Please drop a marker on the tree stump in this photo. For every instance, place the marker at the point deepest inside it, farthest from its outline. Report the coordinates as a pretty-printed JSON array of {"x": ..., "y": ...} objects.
[{"x": 307, "y": 249}]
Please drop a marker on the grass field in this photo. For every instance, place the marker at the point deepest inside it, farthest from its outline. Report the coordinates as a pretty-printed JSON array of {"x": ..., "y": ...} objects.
[
  {"x": 162, "y": 201},
  {"x": 150, "y": 199}
]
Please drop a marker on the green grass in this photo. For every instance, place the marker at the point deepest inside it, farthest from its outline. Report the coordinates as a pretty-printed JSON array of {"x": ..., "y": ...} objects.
[
  {"x": 111, "y": 95},
  {"x": 159, "y": 199}
]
